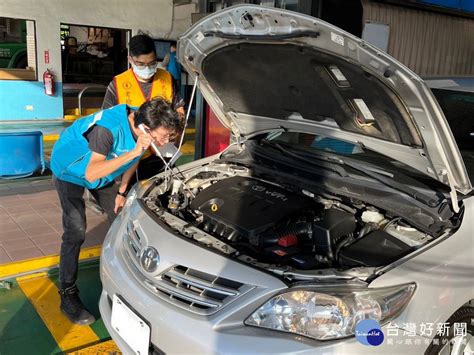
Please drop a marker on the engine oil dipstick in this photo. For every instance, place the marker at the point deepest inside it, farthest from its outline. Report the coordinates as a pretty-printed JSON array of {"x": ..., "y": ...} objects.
[{"x": 214, "y": 207}]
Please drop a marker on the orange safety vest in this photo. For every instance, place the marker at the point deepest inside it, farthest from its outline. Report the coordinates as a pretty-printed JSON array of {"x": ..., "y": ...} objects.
[{"x": 130, "y": 92}]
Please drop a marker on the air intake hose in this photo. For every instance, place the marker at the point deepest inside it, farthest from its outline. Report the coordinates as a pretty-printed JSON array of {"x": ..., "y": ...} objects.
[{"x": 298, "y": 229}]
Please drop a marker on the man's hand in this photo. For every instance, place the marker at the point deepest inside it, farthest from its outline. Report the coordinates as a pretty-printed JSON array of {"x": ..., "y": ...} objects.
[
  {"x": 143, "y": 143},
  {"x": 119, "y": 202}
]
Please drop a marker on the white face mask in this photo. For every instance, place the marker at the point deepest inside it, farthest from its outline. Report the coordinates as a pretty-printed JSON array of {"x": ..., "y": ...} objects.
[{"x": 145, "y": 72}]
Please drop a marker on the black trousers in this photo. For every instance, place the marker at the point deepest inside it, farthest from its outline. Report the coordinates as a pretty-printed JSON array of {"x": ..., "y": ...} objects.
[{"x": 71, "y": 197}]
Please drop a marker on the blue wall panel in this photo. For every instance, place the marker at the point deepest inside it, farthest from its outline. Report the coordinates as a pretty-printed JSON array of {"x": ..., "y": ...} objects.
[
  {"x": 26, "y": 100},
  {"x": 460, "y": 5},
  {"x": 467, "y": 5},
  {"x": 453, "y": 4}
]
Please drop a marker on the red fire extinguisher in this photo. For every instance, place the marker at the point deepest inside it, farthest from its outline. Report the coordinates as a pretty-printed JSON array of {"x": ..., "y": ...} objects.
[{"x": 48, "y": 82}]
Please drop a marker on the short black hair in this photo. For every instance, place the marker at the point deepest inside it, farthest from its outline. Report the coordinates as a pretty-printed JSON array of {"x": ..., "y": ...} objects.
[
  {"x": 141, "y": 44},
  {"x": 158, "y": 113}
]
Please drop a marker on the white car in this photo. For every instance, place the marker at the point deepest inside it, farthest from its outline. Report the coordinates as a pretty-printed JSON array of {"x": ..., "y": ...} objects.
[{"x": 340, "y": 221}]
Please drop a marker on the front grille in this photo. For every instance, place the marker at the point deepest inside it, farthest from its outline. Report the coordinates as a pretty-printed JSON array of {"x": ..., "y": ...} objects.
[
  {"x": 196, "y": 291},
  {"x": 190, "y": 289},
  {"x": 133, "y": 244}
]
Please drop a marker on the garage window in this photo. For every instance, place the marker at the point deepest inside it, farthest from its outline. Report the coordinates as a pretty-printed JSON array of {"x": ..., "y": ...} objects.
[{"x": 17, "y": 49}]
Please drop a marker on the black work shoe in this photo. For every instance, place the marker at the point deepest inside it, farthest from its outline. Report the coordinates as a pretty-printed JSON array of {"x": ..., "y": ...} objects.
[{"x": 73, "y": 308}]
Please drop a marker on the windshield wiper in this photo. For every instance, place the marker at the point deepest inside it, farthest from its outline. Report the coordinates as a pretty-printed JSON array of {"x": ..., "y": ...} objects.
[
  {"x": 391, "y": 182},
  {"x": 324, "y": 163},
  {"x": 387, "y": 179}
]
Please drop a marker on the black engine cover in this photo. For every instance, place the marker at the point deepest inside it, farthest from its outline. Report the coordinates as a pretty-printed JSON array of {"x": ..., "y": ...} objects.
[
  {"x": 247, "y": 205},
  {"x": 377, "y": 248}
]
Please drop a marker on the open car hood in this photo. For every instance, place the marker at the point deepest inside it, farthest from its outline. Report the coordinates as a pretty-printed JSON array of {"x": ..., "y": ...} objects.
[{"x": 264, "y": 68}]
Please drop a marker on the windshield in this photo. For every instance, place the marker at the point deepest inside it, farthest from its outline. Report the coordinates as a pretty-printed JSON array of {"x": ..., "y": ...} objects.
[
  {"x": 312, "y": 142},
  {"x": 317, "y": 144}
]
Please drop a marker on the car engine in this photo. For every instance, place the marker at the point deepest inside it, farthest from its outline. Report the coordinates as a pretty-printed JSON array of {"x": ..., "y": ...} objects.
[
  {"x": 226, "y": 207},
  {"x": 241, "y": 207}
]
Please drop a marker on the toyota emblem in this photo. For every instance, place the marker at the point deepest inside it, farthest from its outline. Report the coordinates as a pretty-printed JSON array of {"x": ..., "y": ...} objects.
[{"x": 150, "y": 259}]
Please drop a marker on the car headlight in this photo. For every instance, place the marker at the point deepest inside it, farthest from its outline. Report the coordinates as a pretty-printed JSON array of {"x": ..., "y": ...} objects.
[{"x": 325, "y": 314}]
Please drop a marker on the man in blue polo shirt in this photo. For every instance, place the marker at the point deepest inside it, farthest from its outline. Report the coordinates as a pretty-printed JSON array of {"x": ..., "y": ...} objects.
[{"x": 91, "y": 154}]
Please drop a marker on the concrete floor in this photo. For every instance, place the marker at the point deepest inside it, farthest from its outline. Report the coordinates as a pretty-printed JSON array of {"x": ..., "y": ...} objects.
[{"x": 30, "y": 221}]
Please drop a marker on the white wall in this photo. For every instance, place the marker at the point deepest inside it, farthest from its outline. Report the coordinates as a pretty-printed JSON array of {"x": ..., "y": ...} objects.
[
  {"x": 152, "y": 16},
  {"x": 182, "y": 19}
]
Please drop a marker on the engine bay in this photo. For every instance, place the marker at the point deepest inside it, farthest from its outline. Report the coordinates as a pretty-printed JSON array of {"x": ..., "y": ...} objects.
[{"x": 226, "y": 207}]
